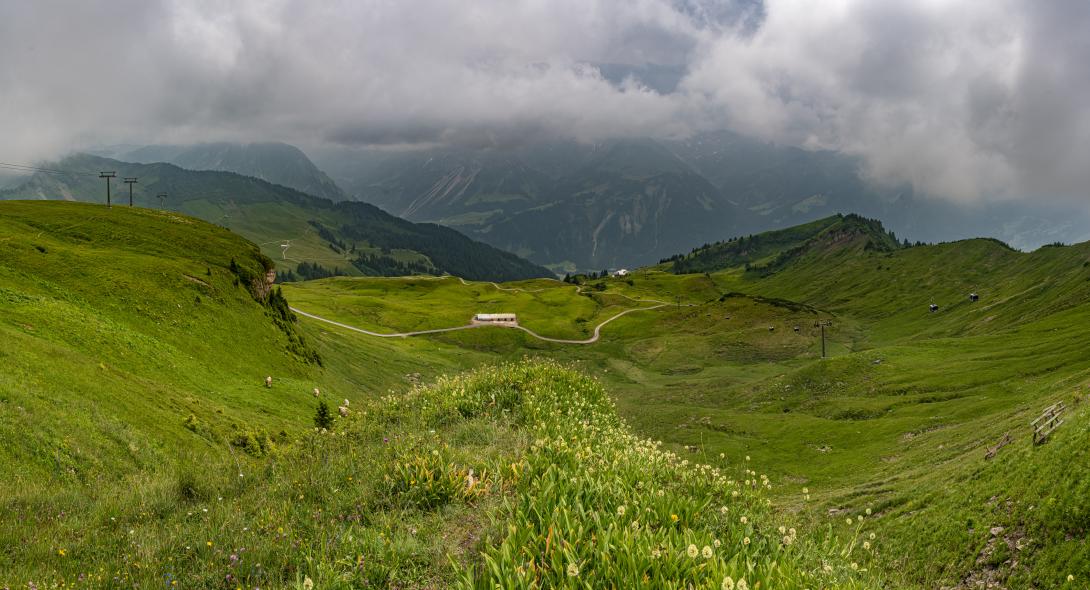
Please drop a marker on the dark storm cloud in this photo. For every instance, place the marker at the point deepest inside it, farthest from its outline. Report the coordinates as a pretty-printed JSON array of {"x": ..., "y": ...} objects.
[{"x": 963, "y": 99}]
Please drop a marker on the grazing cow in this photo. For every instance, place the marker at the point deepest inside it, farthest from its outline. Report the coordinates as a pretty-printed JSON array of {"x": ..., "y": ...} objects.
[{"x": 934, "y": 308}]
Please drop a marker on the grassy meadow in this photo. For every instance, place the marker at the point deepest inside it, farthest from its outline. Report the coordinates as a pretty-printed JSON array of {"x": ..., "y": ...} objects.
[{"x": 698, "y": 444}]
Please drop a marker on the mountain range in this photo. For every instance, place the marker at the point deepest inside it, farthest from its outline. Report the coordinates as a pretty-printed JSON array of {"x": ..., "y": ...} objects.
[
  {"x": 290, "y": 226},
  {"x": 629, "y": 202},
  {"x": 275, "y": 162}
]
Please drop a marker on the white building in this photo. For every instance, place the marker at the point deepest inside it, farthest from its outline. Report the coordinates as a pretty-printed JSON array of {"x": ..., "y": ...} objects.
[{"x": 496, "y": 318}]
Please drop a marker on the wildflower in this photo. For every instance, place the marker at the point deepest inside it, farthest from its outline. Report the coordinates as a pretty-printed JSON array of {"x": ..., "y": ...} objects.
[
  {"x": 806, "y": 490},
  {"x": 673, "y": 517},
  {"x": 855, "y": 565},
  {"x": 791, "y": 531},
  {"x": 1070, "y": 578},
  {"x": 866, "y": 545},
  {"x": 209, "y": 543},
  {"x": 783, "y": 530},
  {"x": 743, "y": 520},
  {"x": 620, "y": 510},
  {"x": 787, "y": 540},
  {"x": 742, "y": 585},
  {"x": 747, "y": 459},
  {"x": 61, "y": 552},
  {"x": 728, "y": 583},
  {"x": 716, "y": 543},
  {"x": 693, "y": 551},
  {"x": 656, "y": 553},
  {"x": 848, "y": 520},
  {"x": 868, "y": 511},
  {"x": 308, "y": 584},
  {"x": 706, "y": 552},
  {"x": 872, "y": 536},
  {"x": 573, "y": 570},
  {"x": 745, "y": 540},
  {"x": 722, "y": 509}
]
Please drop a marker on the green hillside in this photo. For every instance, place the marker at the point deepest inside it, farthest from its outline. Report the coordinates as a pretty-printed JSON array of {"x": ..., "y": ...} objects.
[
  {"x": 897, "y": 421},
  {"x": 133, "y": 399},
  {"x": 143, "y": 449},
  {"x": 344, "y": 237}
]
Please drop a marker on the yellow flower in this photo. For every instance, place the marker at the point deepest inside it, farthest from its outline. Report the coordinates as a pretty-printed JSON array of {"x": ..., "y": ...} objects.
[
  {"x": 673, "y": 517},
  {"x": 61, "y": 552},
  {"x": 209, "y": 543},
  {"x": 1070, "y": 578},
  {"x": 693, "y": 551}
]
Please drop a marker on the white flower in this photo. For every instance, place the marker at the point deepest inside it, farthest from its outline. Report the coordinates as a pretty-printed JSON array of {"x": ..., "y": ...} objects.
[
  {"x": 693, "y": 551},
  {"x": 620, "y": 510},
  {"x": 745, "y": 540},
  {"x": 743, "y": 520},
  {"x": 866, "y": 545},
  {"x": 848, "y": 520},
  {"x": 573, "y": 570},
  {"x": 308, "y": 584},
  {"x": 783, "y": 530},
  {"x": 728, "y": 583},
  {"x": 868, "y": 511},
  {"x": 742, "y": 585},
  {"x": 706, "y": 552},
  {"x": 716, "y": 543}
]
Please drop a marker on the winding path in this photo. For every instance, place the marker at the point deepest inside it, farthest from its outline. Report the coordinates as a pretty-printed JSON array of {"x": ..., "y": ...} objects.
[
  {"x": 578, "y": 290},
  {"x": 591, "y": 340}
]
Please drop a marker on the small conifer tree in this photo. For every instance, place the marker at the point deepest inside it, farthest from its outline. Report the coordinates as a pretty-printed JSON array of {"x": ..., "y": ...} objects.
[{"x": 323, "y": 418}]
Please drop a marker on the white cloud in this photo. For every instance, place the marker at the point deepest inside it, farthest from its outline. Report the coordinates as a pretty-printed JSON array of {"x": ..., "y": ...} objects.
[{"x": 970, "y": 100}]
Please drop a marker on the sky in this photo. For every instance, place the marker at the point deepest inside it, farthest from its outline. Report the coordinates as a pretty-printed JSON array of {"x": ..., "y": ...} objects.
[{"x": 973, "y": 101}]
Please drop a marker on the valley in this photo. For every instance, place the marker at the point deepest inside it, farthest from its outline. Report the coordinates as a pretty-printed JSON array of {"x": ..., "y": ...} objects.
[{"x": 163, "y": 392}]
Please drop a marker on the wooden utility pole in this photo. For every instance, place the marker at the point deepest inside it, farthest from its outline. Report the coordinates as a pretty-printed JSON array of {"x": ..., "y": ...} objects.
[
  {"x": 130, "y": 182},
  {"x": 107, "y": 176},
  {"x": 821, "y": 324}
]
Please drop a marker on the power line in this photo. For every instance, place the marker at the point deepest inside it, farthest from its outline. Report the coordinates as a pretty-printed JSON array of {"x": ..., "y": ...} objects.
[{"x": 28, "y": 168}]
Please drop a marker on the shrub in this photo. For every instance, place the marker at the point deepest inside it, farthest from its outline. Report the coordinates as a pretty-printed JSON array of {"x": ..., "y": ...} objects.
[{"x": 323, "y": 418}]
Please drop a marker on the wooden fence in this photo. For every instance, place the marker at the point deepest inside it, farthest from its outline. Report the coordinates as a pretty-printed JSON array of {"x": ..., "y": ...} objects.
[{"x": 1047, "y": 422}]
